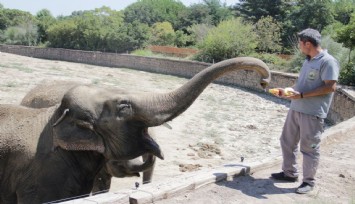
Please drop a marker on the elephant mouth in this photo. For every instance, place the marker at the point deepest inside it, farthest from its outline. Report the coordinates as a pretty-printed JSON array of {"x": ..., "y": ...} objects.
[{"x": 151, "y": 144}]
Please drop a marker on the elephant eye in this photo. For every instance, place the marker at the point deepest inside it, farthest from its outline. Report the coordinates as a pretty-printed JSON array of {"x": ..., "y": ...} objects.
[
  {"x": 124, "y": 109},
  {"x": 84, "y": 124}
]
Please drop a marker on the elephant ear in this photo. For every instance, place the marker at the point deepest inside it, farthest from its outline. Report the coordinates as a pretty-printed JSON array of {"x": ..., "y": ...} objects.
[{"x": 75, "y": 133}]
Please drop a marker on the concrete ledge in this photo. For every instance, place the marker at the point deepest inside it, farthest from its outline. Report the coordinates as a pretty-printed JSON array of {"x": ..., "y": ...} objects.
[
  {"x": 105, "y": 198},
  {"x": 339, "y": 130},
  {"x": 173, "y": 186}
]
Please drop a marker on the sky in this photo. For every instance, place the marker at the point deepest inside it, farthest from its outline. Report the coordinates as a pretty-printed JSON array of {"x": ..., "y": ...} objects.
[{"x": 66, "y": 7}]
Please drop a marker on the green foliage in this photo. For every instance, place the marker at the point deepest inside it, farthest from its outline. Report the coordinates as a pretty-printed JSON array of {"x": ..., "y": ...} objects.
[
  {"x": 269, "y": 34},
  {"x": 217, "y": 11},
  {"x": 342, "y": 10},
  {"x": 162, "y": 34},
  {"x": 254, "y": 10},
  {"x": 101, "y": 29},
  {"x": 228, "y": 40},
  {"x": 144, "y": 53},
  {"x": 337, "y": 50},
  {"x": 44, "y": 20},
  {"x": 315, "y": 14},
  {"x": 181, "y": 39},
  {"x": 347, "y": 74},
  {"x": 195, "y": 14},
  {"x": 346, "y": 34},
  {"x": 270, "y": 58},
  {"x": 24, "y": 34},
  {"x": 331, "y": 30},
  {"x": 304, "y": 14},
  {"x": 128, "y": 37},
  {"x": 153, "y": 11},
  {"x": 198, "y": 32},
  {"x": 64, "y": 34},
  {"x": 14, "y": 17}
]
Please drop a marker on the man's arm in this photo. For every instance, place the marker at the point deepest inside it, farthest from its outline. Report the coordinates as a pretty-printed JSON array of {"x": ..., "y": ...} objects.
[{"x": 328, "y": 87}]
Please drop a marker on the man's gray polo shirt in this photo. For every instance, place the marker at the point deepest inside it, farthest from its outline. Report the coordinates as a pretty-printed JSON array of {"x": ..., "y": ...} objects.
[{"x": 313, "y": 73}]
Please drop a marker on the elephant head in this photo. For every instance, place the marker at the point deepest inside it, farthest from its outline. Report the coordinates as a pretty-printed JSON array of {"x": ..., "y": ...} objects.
[
  {"x": 116, "y": 124},
  {"x": 50, "y": 93}
]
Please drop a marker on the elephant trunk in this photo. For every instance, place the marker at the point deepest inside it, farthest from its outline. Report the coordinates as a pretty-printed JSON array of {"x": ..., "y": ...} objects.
[
  {"x": 136, "y": 165},
  {"x": 157, "y": 109}
]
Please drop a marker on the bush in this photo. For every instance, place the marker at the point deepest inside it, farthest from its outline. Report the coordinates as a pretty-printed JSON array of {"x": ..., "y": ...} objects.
[
  {"x": 273, "y": 60},
  {"x": 347, "y": 74},
  {"x": 227, "y": 40}
]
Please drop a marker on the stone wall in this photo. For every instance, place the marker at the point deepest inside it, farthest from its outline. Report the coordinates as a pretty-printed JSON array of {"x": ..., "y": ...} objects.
[{"x": 342, "y": 108}]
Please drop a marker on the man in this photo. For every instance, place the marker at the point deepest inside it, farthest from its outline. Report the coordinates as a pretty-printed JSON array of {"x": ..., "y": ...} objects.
[{"x": 310, "y": 98}]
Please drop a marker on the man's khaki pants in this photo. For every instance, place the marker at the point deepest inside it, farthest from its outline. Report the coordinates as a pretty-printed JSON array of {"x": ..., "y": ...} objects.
[{"x": 306, "y": 130}]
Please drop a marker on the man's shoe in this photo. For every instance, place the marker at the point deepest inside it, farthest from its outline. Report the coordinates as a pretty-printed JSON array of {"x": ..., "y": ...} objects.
[
  {"x": 304, "y": 188},
  {"x": 282, "y": 177}
]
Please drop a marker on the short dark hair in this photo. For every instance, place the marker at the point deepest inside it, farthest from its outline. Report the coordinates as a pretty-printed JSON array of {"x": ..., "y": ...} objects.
[{"x": 310, "y": 35}]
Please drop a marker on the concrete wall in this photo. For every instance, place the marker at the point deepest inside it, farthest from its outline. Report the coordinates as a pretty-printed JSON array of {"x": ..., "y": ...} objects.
[{"x": 343, "y": 106}]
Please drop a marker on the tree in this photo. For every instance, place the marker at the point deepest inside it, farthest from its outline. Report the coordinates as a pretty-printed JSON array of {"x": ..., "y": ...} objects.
[
  {"x": 44, "y": 20},
  {"x": 346, "y": 35},
  {"x": 198, "y": 32},
  {"x": 153, "y": 11},
  {"x": 228, "y": 40},
  {"x": 315, "y": 14},
  {"x": 210, "y": 12},
  {"x": 218, "y": 11},
  {"x": 17, "y": 27},
  {"x": 64, "y": 34},
  {"x": 14, "y": 17},
  {"x": 342, "y": 10},
  {"x": 254, "y": 10},
  {"x": 181, "y": 39},
  {"x": 269, "y": 34},
  {"x": 279, "y": 10},
  {"x": 129, "y": 37},
  {"x": 24, "y": 34},
  {"x": 86, "y": 30},
  {"x": 195, "y": 14},
  {"x": 162, "y": 34}
]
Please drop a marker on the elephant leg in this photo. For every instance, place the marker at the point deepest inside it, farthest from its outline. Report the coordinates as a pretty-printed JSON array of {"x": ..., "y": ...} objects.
[
  {"x": 148, "y": 174},
  {"x": 102, "y": 182}
]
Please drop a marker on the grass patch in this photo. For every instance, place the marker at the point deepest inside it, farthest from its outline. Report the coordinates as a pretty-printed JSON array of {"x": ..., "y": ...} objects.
[
  {"x": 55, "y": 68},
  {"x": 11, "y": 84},
  {"x": 95, "y": 81},
  {"x": 17, "y": 66}
]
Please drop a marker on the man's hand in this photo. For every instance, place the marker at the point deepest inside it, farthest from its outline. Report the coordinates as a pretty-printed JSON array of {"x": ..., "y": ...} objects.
[{"x": 288, "y": 93}]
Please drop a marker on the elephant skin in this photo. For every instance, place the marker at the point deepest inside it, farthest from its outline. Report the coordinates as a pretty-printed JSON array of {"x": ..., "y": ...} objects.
[
  {"x": 50, "y": 93},
  {"x": 55, "y": 153}
]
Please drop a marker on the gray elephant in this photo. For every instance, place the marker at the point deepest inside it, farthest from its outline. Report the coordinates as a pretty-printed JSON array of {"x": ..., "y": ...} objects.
[
  {"x": 50, "y": 93},
  {"x": 55, "y": 153}
]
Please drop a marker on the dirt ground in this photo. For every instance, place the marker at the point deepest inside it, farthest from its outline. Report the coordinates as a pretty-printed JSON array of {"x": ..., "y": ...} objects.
[{"x": 224, "y": 124}]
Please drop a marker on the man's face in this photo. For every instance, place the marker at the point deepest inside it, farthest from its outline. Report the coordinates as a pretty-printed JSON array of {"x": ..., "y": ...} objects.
[{"x": 304, "y": 47}]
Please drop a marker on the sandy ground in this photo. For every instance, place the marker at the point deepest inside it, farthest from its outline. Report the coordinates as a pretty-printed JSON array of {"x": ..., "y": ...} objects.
[{"x": 223, "y": 124}]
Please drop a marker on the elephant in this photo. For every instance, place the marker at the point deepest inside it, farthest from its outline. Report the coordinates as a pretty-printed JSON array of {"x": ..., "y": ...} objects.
[
  {"x": 48, "y": 94},
  {"x": 54, "y": 153}
]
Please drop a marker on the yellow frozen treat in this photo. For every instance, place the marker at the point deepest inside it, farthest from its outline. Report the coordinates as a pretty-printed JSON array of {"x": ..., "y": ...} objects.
[{"x": 275, "y": 91}]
